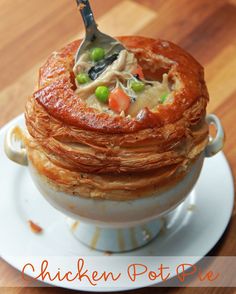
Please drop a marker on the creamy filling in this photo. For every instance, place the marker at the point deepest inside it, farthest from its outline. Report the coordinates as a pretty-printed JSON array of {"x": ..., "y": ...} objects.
[
  {"x": 120, "y": 74},
  {"x": 150, "y": 97}
]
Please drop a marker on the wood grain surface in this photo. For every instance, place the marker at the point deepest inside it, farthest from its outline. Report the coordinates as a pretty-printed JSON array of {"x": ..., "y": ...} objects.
[{"x": 30, "y": 30}]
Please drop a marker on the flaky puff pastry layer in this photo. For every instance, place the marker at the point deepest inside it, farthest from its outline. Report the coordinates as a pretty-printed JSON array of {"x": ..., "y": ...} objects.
[{"x": 84, "y": 152}]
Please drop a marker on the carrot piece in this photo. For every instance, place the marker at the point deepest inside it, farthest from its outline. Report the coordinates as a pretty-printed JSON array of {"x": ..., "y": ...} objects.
[
  {"x": 138, "y": 71},
  {"x": 119, "y": 100}
]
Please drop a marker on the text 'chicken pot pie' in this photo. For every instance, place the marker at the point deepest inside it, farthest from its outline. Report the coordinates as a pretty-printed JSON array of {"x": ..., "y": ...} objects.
[{"x": 119, "y": 126}]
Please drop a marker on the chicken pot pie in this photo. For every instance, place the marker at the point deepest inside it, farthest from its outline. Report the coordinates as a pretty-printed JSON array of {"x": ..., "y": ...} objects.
[{"x": 119, "y": 126}]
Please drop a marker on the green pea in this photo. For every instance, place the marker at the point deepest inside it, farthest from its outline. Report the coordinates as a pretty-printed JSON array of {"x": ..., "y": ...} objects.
[
  {"x": 163, "y": 97},
  {"x": 137, "y": 86},
  {"x": 82, "y": 78},
  {"x": 97, "y": 54},
  {"x": 102, "y": 93}
]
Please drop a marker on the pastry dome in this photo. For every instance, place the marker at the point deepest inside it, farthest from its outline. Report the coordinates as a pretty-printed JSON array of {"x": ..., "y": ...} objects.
[{"x": 87, "y": 152}]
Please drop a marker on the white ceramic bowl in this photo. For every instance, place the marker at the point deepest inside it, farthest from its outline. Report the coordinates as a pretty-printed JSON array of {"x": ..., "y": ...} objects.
[{"x": 117, "y": 225}]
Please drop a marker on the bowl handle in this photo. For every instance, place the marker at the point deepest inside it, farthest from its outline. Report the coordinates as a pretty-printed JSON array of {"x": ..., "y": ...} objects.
[
  {"x": 217, "y": 143},
  {"x": 15, "y": 153}
]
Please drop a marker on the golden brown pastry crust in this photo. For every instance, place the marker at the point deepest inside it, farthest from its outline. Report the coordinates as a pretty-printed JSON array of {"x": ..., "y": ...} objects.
[
  {"x": 56, "y": 88},
  {"x": 93, "y": 154}
]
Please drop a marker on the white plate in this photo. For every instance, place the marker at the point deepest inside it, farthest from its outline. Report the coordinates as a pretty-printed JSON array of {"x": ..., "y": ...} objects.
[{"x": 193, "y": 229}]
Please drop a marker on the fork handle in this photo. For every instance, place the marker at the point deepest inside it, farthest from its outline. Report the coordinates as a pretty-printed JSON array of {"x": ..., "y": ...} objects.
[{"x": 87, "y": 14}]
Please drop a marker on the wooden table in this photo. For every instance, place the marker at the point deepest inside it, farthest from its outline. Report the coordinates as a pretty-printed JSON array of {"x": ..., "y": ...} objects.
[{"x": 30, "y": 30}]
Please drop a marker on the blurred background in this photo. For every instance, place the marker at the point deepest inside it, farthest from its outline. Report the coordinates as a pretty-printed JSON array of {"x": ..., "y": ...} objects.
[{"x": 30, "y": 30}]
